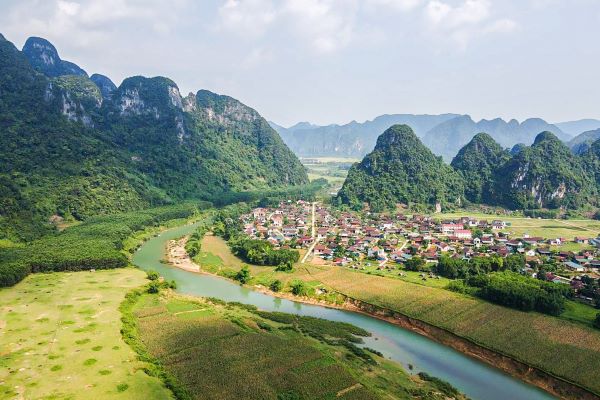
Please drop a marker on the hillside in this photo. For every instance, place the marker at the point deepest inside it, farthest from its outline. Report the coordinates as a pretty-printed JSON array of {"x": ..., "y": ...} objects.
[
  {"x": 477, "y": 162},
  {"x": 547, "y": 174},
  {"x": 582, "y": 142},
  {"x": 71, "y": 149},
  {"x": 401, "y": 170},
  {"x": 353, "y": 139},
  {"x": 448, "y": 137}
]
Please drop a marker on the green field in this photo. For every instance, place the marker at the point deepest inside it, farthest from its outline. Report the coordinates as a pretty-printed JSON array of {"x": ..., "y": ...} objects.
[
  {"x": 547, "y": 228},
  {"x": 219, "y": 351},
  {"x": 61, "y": 339},
  {"x": 566, "y": 346}
]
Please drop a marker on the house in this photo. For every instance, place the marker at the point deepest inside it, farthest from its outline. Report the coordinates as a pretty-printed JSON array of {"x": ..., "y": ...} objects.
[
  {"x": 463, "y": 233},
  {"x": 573, "y": 266},
  {"x": 581, "y": 240},
  {"x": 450, "y": 228},
  {"x": 277, "y": 220}
]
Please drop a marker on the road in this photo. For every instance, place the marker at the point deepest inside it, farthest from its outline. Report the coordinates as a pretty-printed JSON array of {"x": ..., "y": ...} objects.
[{"x": 313, "y": 235}]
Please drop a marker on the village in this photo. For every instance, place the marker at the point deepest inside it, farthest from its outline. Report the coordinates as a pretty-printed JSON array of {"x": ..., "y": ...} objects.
[{"x": 383, "y": 242}]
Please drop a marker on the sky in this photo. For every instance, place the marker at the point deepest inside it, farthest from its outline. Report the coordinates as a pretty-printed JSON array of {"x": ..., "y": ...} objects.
[{"x": 333, "y": 61}]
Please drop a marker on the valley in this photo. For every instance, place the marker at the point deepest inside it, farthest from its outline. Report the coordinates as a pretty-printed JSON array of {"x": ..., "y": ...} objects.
[{"x": 162, "y": 245}]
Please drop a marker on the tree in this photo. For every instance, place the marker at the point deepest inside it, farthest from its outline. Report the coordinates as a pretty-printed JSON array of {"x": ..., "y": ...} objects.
[
  {"x": 597, "y": 321},
  {"x": 298, "y": 288},
  {"x": 276, "y": 285},
  {"x": 414, "y": 264},
  {"x": 243, "y": 275}
]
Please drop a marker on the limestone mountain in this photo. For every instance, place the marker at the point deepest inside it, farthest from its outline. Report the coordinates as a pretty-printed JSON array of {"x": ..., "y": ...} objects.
[
  {"x": 575, "y": 128},
  {"x": 582, "y": 142},
  {"x": 44, "y": 57},
  {"x": 104, "y": 83},
  {"x": 546, "y": 174},
  {"x": 353, "y": 139},
  {"x": 70, "y": 151},
  {"x": 401, "y": 170},
  {"x": 478, "y": 162},
  {"x": 447, "y": 138}
]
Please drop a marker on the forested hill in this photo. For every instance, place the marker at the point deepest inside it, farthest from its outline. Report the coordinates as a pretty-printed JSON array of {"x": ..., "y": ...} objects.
[
  {"x": 72, "y": 147},
  {"x": 544, "y": 175},
  {"x": 401, "y": 170}
]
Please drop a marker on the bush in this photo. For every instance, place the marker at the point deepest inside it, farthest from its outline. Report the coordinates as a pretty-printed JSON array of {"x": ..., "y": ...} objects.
[
  {"x": 276, "y": 285},
  {"x": 243, "y": 275},
  {"x": 597, "y": 321},
  {"x": 415, "y": 264},
  {"x": 299, "y": 288},
  {"x": 154, "y": 287},
  {"x": 152, "y": 275}
]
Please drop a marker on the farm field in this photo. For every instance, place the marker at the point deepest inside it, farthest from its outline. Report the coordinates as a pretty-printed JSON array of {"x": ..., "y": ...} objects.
[
  {"x": 60, "y": 339},
  {"x": 567, "y": 349},
  {"x": 548, "y": 228},
  {"x": 220, "y": 351},
  {"x": 566, "y": 346}
]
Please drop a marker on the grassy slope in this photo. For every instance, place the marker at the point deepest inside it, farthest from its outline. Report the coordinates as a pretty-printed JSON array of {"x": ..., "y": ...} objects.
[
  {"x": 557, "y": 345},
  {"x": 61, "y": 339},
  {"x": 225, "y": 352}
]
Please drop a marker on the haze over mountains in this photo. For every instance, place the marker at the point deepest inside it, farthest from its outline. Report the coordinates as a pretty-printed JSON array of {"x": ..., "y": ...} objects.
[{"x": 444, "y": 134}]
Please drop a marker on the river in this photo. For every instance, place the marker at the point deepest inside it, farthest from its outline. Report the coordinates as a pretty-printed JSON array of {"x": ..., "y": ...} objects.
[{"x": 476, "y": 379}]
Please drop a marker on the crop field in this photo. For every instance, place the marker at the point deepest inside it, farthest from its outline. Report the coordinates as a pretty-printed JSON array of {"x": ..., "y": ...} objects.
[
  {"x": 60, "y": 339},
  {"x": 567, "y": 349},
  {"x": 218, "y": 351},
  {"x": 548, "y": 228},
  {"x": 566, "y": 346}
]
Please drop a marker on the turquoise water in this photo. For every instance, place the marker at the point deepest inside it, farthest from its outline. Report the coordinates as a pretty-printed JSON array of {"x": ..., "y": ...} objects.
[{"x": 477, "y": 380}]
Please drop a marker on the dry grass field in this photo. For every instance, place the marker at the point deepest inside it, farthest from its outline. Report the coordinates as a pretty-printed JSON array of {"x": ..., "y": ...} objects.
[{"x": 60, "y": 339}]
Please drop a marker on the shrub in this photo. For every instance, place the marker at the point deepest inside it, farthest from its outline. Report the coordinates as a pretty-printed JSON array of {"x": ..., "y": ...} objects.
[
  {"x": 299, "y": 288},
  {"x": 152, "y": 275},
  {"x": 276, "y": 285},
  {"x": 597, "y": 321},
  {"x": 243, "y": 275}
]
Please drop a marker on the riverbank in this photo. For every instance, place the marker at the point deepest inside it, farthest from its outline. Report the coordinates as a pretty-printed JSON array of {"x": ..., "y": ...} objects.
[{"x": 523, "y": 371}]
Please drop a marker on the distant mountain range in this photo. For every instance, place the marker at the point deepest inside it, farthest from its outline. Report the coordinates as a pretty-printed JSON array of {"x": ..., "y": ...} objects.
[
  {"x": 401, "y": 169},
  {"x": 444, "y": 134},
  {"x": 353, "y": 139}
]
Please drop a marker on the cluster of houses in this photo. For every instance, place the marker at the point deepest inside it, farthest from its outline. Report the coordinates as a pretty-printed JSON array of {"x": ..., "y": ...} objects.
[{"x": 344, "y": 238}]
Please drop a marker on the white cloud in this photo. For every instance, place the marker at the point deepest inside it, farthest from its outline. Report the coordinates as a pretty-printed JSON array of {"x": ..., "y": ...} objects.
[
  {"x": 501, "y": 26},
  {"x": 465, "y": 21},
  {"x": 400, "y": 5},
  {"x": 247, "y": 17}
]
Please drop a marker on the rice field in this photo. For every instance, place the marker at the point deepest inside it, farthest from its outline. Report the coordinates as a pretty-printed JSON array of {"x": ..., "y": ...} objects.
[
  {"x": 567, "y": 349},
  {"x": 60, "y": 339},
  {"x": 218, "y": 351}
]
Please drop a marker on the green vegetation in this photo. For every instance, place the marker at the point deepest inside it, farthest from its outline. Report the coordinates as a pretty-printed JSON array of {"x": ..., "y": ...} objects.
[
  {"x": 545, "y": 175},
  {"x": 477, "y": 163},
  {"x": 260, "y": 252},
  {"x": 95, "y": 244},
  {"x": 236, "y": 351},
  {"x": 521, "y": 292},
  {"x": 54, "y": 325},
  {"x": 401, "y": 170},
  {"x": 67, "y": 156}
]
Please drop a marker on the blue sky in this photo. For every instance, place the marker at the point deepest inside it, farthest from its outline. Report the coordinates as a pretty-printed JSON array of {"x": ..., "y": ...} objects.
[{"x": 332, "y": 61}]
